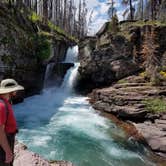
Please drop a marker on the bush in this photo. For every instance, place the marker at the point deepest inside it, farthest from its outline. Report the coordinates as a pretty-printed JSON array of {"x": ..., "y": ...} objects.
[
  {"x": 35, "y": 18},
  {"x": 143, "y": 74},
  {"x": 155, "y": 105},
  {"x": 42, "y": 46}
]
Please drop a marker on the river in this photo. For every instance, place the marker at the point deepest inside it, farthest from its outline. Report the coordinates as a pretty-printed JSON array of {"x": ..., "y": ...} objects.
[{"x": 61, "y": 125}]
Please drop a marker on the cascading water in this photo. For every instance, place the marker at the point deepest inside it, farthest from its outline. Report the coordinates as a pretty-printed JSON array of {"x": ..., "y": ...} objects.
[
  {"x": 69, "y": 79},
  {"x": 60, "y": 125},
  {"x": 48, "y": 73},
  {"x": 71, "y": 55}
]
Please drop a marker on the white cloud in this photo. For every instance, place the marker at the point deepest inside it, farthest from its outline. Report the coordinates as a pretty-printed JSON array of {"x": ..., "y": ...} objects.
[
  {"x": 99, "y": 16},
  {"x": 96, "y": 25}
]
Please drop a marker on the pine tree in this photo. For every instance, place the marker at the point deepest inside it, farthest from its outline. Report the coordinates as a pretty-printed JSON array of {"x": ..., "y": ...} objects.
[
  {"x": 111, "y": 10},
  {"x": 131, "y": 8}
]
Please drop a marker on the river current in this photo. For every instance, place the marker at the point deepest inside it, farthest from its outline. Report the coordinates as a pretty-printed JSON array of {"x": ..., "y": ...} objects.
[{"x": 61, "y": 125}]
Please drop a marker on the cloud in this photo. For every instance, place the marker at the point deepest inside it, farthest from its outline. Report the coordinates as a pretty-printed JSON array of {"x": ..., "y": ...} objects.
[
  {"x": 99, "y": 14},
  {"x": 96, "y": 25}
]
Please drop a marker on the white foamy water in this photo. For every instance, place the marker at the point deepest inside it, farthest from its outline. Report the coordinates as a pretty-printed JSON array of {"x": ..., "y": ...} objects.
[
  {"x": 71, "y": 56},
  {"x": 60, "y": 125}
]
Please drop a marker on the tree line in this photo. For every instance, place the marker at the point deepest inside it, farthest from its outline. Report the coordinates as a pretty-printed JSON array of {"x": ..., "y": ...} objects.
[
  {"x": 140, "y": 9},
  {"x": 63, "y": 13}
]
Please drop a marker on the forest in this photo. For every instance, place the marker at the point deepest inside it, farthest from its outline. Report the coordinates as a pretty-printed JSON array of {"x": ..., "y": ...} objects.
[
  {"x": 75, "y": 20},
  {"x": 140, "y": 9}
]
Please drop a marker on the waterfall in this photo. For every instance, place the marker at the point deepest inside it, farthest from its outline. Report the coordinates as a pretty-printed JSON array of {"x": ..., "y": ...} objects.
[
  {"x": 61, "y": 125},
  {"x": 70, "y": 78},
  {"x": 49, "y": 70},
  {"x": 48, "y": 73},
  {"x": 71, "y": 55}
]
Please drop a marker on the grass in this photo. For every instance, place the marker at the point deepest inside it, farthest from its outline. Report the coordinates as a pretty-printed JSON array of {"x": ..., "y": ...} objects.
[
  {"x": 155, "y": 105},
  {"x": 122, "y": 81},
  {"x": 36, "y": 18},
  {"x": 124, "y": 27},
  {"x": 61, "y": 31},
  {"x": 141, "y": 23}
]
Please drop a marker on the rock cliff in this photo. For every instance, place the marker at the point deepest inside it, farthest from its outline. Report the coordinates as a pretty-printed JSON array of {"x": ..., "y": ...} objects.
[
  {"x": 109, "y": 57},
  {"x": 138, "y": 102},
  {"x": 129, "y": 66},
  {"x": 27, "y": 45}
]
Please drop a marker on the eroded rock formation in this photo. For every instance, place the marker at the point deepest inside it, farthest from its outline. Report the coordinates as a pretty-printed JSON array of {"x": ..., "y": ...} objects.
[
  {"x": 107, "y": 58},
  {"x": 127, "y": 102}
]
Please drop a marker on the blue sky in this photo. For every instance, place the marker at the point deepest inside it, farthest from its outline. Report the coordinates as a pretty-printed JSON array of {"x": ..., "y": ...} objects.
[{"x": 99, "y": 15}]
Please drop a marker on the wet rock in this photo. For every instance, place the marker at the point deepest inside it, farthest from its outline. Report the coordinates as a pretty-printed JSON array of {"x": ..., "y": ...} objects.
[
  {"x": 102, "y": 65},
  {"x": 126, "y": 101},
  {"x": 154, "y": 134},
  {"x": 27, "y": 158}
]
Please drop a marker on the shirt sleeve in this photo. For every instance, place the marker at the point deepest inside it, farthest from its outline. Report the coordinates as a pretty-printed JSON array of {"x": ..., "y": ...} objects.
[{"x": 2, "y": 114}]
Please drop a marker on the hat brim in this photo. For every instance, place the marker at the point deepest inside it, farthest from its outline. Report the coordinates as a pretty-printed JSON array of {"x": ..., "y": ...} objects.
[{"x": 11, "y": 89}]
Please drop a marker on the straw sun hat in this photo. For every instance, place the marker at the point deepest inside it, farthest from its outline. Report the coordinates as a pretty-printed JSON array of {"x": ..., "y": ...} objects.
[{"x": 9, "y": 85}]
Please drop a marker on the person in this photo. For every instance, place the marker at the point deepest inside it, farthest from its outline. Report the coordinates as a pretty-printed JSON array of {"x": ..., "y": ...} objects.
[{"x": 8, "y": 126}]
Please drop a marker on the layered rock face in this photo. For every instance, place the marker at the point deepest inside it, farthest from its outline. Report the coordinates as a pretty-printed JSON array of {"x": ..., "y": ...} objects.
[
  {"x": 17, "y": 50},
  {"x": 108, "y": 58},
  {"x": 114, "y": 57},
  {"x": 128, "y": 102},
  {"x": 104, "y": 65}
]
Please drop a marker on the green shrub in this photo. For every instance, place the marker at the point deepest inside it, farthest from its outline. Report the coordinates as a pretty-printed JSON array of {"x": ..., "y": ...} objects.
[
  {"x": 55, "y": 28},
  {"x": 34, "y": 17},
  {"x": 42, "y": 46},
  {"x": 155, "y": 105}
]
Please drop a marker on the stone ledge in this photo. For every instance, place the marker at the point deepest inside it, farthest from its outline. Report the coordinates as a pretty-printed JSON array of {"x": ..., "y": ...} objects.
[
  {"x": 24, "y": 157},
  {"x": 126, "y": 102}
]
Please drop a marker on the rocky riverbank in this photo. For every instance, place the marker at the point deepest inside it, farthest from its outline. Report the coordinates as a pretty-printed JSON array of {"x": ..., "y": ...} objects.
[
  {"x": 27, "y": 158},
  {"x": 109, "y": 57},
  {"x": 133, "y": 101},
  {"x": 130, "y": 63}
]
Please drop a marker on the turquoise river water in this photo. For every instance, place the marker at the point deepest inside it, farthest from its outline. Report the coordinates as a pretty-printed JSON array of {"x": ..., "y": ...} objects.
[{"x": 61, "y": 125}]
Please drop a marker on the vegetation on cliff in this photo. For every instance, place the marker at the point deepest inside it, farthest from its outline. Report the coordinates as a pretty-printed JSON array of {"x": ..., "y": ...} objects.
[
  {"x": 26, "y": 41},
  {"x": 62, "y": 13}
]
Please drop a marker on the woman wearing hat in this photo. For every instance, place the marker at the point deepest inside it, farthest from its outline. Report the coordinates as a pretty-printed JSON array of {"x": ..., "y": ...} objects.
[{"x": 8, "y": 127}]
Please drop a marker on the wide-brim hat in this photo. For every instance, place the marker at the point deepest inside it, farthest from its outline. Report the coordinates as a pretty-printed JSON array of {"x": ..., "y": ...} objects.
[{"x": 9, "y": 85}]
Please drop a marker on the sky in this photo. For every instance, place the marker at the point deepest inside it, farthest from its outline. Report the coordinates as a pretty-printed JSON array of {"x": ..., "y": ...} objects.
[{"x": 99, "y": 14}]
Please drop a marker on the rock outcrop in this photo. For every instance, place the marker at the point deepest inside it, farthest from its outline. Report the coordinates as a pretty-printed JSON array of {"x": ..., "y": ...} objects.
[
  {"x": 109, "y": 57},
  {"x": 128, "y": 102},
  {"x": 104, "y": 65},
  {"x": 26, "y": 46},
  {"x": 27, "y": 158}
]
